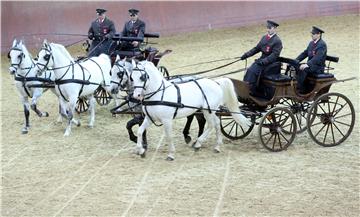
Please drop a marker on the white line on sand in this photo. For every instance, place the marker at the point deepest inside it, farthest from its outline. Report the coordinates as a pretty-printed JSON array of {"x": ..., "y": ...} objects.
[
  {"x": 142, "y": 183},
  {"x": 223, "y": 187},
  {"x": 91, "y": 178}
]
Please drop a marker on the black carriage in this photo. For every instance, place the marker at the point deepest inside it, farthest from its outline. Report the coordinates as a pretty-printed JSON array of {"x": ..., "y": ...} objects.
[{"x": 328, "y": 117}]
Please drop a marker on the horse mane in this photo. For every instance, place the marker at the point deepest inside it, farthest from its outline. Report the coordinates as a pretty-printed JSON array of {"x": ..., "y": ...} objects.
[{"x": 63, "y": 50}]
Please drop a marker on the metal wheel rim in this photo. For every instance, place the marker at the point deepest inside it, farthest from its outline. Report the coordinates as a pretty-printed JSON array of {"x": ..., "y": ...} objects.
[
  {"x": 271, "y": 129},
  {"x": 331, "y": 119},
  {"x": 232, "y": 130}
]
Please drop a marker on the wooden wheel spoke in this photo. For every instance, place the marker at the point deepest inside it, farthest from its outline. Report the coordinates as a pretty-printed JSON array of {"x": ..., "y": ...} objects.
[
  {"x": 342, "y": 123},
  {"x": 337, "y": 112},
  {"x": 273, "y": 146},
  {"x": 282, "y": 135},
  {"x": 320, "y": 130},
  {"x": 326, "y": 132},
  {"x": 338, "y": 130},
  {"x": 232, "y": 127},
  {"x": 322, "y": 108},
  {"x": 236, "y": 129},
  {"x": 342, "y": 116},
  {"x": 279, "y": 141},
  {"x": 337, "y": 99},
  {"x": 269, "y": 139},
  {"x": 332, "y": 131},
  {"x": 229, "y": 123}
]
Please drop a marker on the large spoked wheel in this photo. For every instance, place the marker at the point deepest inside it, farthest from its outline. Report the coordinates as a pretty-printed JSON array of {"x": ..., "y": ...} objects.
[
  {"x": 163, "y": 71},
  {"x": 102, "y": 96},
  {"x": 232, "y": 130},
  {"x": 82, "y": 105},
  {"x": 300, "y": 111},
  {"x": 277, "y": 129},
  {"x": 331, "y": 119}
]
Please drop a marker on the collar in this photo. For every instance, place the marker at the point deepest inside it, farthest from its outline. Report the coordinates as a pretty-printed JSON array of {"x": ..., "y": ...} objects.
[
  {"x": 316, "y": 41},
  {"x": 270, "y": 36}
]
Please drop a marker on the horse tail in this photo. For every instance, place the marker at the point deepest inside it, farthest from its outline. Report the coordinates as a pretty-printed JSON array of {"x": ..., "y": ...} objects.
[{"x": 231, "y": 102}]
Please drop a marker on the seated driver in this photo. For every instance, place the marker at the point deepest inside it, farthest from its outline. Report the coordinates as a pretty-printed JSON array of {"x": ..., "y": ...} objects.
[
  {"x": 316, "y": 54},
  {"x": 270, "y": 47},
  {"x": 133, "y": 28}
]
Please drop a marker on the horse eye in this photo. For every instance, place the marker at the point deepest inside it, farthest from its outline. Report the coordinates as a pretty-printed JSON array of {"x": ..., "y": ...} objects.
[
  {"x": 120, "y": 74},
  {"x": 19, "y": 56},
  {"x": 143, "y": 77},
  {"x": 47, "y": 57}
]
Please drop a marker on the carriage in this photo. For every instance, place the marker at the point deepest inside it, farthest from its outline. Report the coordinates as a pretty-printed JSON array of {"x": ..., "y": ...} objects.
[
  {"x": 145, "y": 52},
  {"x": 328, "y": 117}
]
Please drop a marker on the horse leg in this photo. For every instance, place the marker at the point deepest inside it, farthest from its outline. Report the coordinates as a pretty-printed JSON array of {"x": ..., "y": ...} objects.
[
  {"x": 146, "y": 123},
  {"x": 201, "y": 122},
  {"x": 92, "y": 111},
  {"x": 26, "y": 127},
  {"x": 187, "y": 128},
  {"x": 168, "y": 130},
  {"x": 205, "y": 134},
  {"x": 219, "y": 140},
  {"x": 70, "y": 116},
  {"x": 37, "y": 94},
  {"x": 59, "y": 119},
  {"x": 129, "y": 127}
]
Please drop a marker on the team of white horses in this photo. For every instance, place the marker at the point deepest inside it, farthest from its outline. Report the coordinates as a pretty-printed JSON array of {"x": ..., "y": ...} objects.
[{"x": 162, "y": 100}]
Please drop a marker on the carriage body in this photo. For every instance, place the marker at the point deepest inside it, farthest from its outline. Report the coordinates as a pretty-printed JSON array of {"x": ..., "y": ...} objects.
[{"x": 288, "y": 112}]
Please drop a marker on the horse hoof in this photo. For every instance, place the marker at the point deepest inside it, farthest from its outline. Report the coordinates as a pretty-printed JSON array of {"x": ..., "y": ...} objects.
[
  {"x": 90, "y": 126},
  {"x": 143, "y": 155},
  {"x": 187, "y": 139},
  {"x": 145, "y": 146},
  {"x": 45, "y": 114},
  {"x": 79, "y": 124},
  {"x": 169, "y": 158},
  {"x": 193, "y": 145},
  {"x": 216, "y": 150},
  {"x": 24, "y": 131},
  {"x": 196, "y": 149}
]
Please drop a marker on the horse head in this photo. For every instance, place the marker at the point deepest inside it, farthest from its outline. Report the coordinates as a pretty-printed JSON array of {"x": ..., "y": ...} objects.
[
  {"x": 120, "y": 74},
  {"x": 16, "y": 56},
  {"x": 141, "y": 74},
  {"x": 45, "y": 58}
]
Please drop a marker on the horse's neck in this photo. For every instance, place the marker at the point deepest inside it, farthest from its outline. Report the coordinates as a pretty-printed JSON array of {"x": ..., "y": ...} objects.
[{"x": 62, "y": 64}]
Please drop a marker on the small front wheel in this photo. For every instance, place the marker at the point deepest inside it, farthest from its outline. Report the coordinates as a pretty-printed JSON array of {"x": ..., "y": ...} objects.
[
  {"x": 277, "y": 129},
  {"x": 233, "y": 130},
  {"x": 102, "y": 96},
  {"x": 82, "y": 105}
]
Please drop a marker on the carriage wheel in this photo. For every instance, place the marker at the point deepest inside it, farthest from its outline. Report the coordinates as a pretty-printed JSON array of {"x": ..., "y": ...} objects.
[
  {"x": 163, "y": 71},
  {"x": 300, "y": 110},
  {"x": 102, "y": 96},
  {"x": 82, "y": 105},
  {"x": 233, "y": 130},
  {"x": 277, "y": 129},
  {"x": 331, "y": 119}
]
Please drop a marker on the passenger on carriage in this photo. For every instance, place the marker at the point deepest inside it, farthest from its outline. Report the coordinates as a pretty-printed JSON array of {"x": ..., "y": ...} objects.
[
  {"x": 270, "y": 47},
  {"x": 133, "y": 28},
  {"x": 316, "y": 53},
  {"x": 101, "y": 31}
]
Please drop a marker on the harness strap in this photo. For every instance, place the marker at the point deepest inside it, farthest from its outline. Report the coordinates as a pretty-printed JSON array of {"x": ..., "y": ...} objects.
[
  {"x": 178, "y": 99},
  {"x": 209, "y": 109},
  {"x": 147, "y": 114},
  {"x": 102, "y": 73}
]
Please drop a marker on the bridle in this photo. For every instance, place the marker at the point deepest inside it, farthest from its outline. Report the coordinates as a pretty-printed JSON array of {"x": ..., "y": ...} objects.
[
  {"x": 46, "y": 57},
  {"x": 144, "y": 77},
  {"x": 121, "y": 75},
  {"x": 21, "y": 57}
]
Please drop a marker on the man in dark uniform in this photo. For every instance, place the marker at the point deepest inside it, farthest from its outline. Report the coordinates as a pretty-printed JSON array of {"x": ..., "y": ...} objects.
[
  {"x": 270, "y": 47},
  {"x": 316, "y": 54},
  {"x": 101, "y": 31},
  {"x": 133, "y": 28}
]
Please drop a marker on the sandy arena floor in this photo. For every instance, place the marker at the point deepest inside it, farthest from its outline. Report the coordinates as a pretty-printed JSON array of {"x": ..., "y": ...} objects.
[{"x": 93, "y": 172}]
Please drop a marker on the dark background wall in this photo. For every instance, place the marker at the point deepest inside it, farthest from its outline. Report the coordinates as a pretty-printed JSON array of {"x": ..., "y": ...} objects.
[{"x": 19, "y": 18}]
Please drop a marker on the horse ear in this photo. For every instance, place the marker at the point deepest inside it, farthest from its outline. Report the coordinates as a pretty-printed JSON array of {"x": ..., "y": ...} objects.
[
  {"x": 14, "y": 43},
  {"x": 20, "y": 43},
  {"x": 45, "y": 43},
  {"x": 117, "y": 58}
]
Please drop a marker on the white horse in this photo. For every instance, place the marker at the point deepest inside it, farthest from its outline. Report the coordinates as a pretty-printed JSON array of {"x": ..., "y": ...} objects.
[
  {"x": 23, "y": 67},
  {"x": 74, "y": 79},
  {"x": 164, "y": 101}
]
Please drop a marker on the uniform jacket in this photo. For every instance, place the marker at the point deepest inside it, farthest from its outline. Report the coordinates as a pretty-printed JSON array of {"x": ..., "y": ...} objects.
[
  {"x": 316, "y": 53},
  {"x": 134, "y": 30},
  {"x": 99, "y": 30},
  {"x": 270, "y": 49}
]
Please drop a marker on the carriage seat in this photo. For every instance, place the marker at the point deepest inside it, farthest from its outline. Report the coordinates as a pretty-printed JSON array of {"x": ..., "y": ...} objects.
[
  {"x": 321, "y": 76},
  {"x": 277, "y": 78}
]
